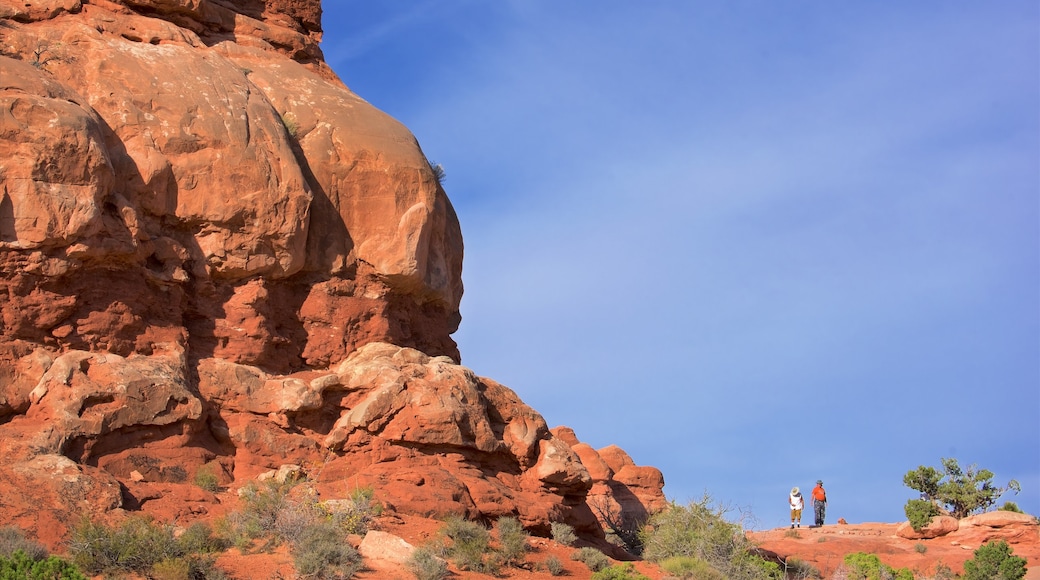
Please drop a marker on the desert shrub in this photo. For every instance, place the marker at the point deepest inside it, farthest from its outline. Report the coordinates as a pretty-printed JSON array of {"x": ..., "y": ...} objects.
[
  {"x": 321, "y": 552},
  {"x": 199, "y": 538},
  {"x": 143, "y": 547},
  {"x": 426, "y": 565},
  {"x": 21, "y": 566},
  {"x": 690, "y": 568},
  {"x": 187, "y": 567},
  {"x": 956, "y": 491},
  {"x": 1010, "y": 506},
  {"x": 272, "y": 511},
  {"x": 470, "y": 547},
  {"x": 994, "y": 561},
  {"x": 13, "y": 540},
  {"x": 943, "y": 572},
  {"x": 623, "y": 528},
  {"x": 207, "y": 480},
  {"x": 563, "y": 533},
  {"x": 554, "y": 566},
  {"x": 863, "y": 566},
  {"x": 792, "y": 534},
  {"x": 438, "y": 173},
  {"x": 292, "y": 127},
  {"x": 795, "y": 569},
  {"x": 619, "y": 572},
  {"x": 170, "y": 569},
  {"x": 700, "y": 530},
  {"x": 919, "y": 512},
  {"x": 134, "y": 546},
  {"x": 512, "y": 539},
  {"x": 920, "y": 548},
  {"x": 592, "y": 558},
  {"x": 357, "y": 515}
]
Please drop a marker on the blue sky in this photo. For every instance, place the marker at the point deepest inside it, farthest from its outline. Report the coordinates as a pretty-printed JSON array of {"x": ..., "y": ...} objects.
[{"x": 753, "y": 244}]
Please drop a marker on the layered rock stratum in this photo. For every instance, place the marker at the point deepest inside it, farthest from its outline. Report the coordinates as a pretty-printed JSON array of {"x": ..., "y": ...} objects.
[{"x": 214, "y": 255}]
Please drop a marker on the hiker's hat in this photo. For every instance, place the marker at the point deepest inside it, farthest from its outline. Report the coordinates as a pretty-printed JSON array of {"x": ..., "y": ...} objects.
[
  {"x": 794, "y": 490},
  {"x": 819, "y": 482}
]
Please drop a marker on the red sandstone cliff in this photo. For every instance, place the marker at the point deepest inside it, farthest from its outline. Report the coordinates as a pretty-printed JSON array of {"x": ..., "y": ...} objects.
[{"x": 213, "y": 253}]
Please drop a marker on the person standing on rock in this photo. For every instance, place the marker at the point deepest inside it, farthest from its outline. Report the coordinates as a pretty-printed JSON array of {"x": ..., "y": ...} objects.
[
  {"x": 797, "y": 503},
  {"x": 819, "y": 502}
]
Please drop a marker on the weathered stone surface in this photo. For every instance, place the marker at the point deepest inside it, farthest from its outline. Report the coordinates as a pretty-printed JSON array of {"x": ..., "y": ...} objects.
[
  {"x": 938, "y": 526},
  {"x": 379, "y": 545},
  {"x": 998, "y": 519}
]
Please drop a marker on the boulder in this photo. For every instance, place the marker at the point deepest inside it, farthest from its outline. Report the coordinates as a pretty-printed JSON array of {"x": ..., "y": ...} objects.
[{"x": 938, "y": 526}]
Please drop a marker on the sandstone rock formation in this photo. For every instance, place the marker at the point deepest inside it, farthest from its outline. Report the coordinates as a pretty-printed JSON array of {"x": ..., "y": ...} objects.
[{"x": 214, "y": 255}]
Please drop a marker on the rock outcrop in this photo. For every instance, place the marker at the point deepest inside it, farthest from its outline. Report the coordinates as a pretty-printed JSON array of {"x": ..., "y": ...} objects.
[{"x": 214, "y": 255}]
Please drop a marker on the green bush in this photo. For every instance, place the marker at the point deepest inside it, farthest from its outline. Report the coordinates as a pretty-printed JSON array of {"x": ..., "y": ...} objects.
[
  {"x": 994, "y": 561},
  {"x": 207, "y": 480},
  {"x": 426, "y": 565},
  {"x": 141, "y": 546},
  {"x": 796, "y": 569},
  {"x": 470, "y": 546},
  {"x": 135, "y": 546},
  {"x": 321, "y": 551},
  {"x": 956, "y": 491},
  {"x": 563, "y": 533},
  {"x": 512, "y": 539},
  {"x": 619, "y": 572},
  {"x": 700, "y": 530},
  {"x": 554, "y": 566},
  {"x": 919, "y": 512},
  {"x": 592, "y": 558},
  {"x": 13, "y": 540},
  {"x": 357, "y": 515},
  {"x": 21, "y": 566},
  {"x": 1010, "y": 506},
  {"x": 198, "y": 538},
  {"x": 863, "y": 566},
  {"x": 690, "y": 568}
]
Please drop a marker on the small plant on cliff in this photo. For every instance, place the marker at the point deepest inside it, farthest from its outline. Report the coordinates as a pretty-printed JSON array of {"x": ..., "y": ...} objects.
[
  {"x": 994, "y": 561},
  {"x": 292, "y": 126},
  {"x": 955, "y": 491},
  {"x": 438, "y": 173}
]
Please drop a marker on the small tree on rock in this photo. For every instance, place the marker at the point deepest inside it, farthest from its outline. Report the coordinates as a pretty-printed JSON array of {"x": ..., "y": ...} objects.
[{"x": 955, "y": 491}]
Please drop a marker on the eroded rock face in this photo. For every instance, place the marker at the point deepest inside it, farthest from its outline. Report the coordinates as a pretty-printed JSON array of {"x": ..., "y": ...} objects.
[{"x": 213, "y": 253}]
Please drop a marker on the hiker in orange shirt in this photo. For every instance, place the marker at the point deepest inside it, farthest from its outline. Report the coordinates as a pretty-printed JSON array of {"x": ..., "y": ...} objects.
[{"x": 819, "y": 502}]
